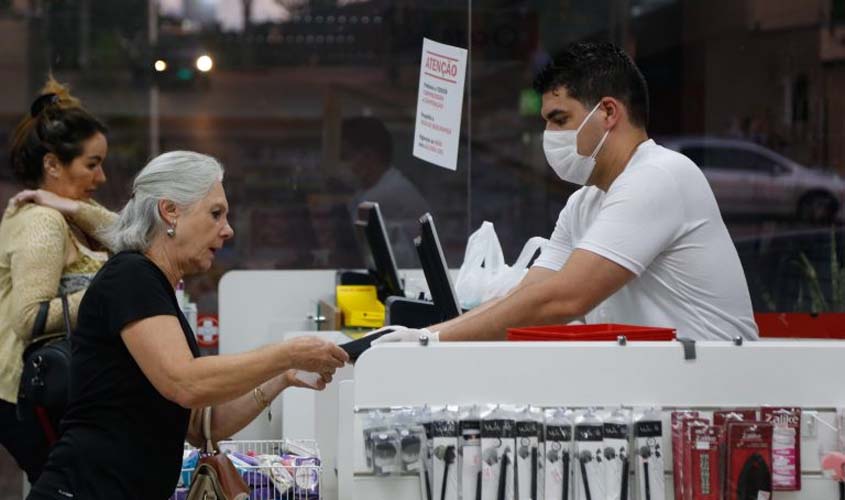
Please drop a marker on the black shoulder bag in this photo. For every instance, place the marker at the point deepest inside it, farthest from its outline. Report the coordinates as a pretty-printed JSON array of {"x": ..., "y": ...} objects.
[{"x": 44, "y": 386}]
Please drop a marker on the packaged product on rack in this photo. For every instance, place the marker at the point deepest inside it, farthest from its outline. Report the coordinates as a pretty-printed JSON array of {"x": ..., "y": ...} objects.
[
  {"x": 413, "y": 445},
  {"x": 617, "y": 447},
  {"x": 705, "y": 470},
  {"x": 529, "y": 425},
  {"x": 720, "y": 419},
  {"x": 469, "y": 452},
  {"x": 558, "y": 454},
  {"x": 749, "y": 460},
  {"x": 648, "y": 446},
  {"x": 498, "y": 445},
  {"x": 374, "y": 422},
  {"x": 676, "y": 420},
  {"x": 786, "y": 446},
  {"x": 444, "y": 431},
  {"x": 688, "y": 427},
  {"x": 590, "y": 471}
]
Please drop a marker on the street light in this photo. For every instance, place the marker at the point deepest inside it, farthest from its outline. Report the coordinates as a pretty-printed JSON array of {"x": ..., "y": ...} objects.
[{"x": 160, "y": 66}]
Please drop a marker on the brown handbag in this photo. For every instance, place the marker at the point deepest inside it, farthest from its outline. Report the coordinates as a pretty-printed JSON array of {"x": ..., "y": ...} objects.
[{"x": 215, "y": 478}]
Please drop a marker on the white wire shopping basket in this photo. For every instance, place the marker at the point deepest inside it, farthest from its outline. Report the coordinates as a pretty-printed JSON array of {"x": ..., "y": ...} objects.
[{"x": 278, "y": 469}]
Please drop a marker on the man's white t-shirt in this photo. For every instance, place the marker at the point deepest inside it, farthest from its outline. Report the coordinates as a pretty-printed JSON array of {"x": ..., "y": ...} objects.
[{"x": 659, "y": 219}]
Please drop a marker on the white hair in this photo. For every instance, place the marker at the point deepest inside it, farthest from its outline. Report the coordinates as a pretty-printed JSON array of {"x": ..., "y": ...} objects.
[{"x": 183, "y": 177}]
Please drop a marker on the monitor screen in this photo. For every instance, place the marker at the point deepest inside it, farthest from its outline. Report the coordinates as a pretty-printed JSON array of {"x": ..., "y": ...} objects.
[
  {"x": 435, "y": 269},
  {"x": 375, "y": 246}
]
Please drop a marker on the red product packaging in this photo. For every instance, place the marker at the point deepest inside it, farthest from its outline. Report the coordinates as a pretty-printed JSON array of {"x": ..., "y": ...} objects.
[
  {"x": 749, "y": 461},
  {"x": 677, "y": 419},
  {"x": 721, "y": 417},
  {"x": 786, "y": 447},
  {"x": 705, "y": 463},
  {"x": 688, "y": 426}
]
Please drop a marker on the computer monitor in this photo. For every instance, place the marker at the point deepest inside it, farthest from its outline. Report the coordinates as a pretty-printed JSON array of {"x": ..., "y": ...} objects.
[
  {"x": 435, "y": 269},
  {"x": 375, "y": 246}
]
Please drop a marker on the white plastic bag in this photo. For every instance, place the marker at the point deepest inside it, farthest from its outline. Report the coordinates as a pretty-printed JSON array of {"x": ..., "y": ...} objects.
[{"x": 484, "y": 274}]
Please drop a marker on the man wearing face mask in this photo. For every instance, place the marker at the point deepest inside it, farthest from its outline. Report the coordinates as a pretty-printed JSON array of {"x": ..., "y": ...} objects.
[{"x": 643, "y": 242}]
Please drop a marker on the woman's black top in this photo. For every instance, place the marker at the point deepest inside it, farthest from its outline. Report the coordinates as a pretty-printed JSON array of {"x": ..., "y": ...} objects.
[{"x": 120, "y": 437}]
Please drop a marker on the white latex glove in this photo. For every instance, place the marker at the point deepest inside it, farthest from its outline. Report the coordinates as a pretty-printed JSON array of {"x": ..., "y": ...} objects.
[
  {"x": 408, "y": 335},
  {"x": 394, "y": 328}
]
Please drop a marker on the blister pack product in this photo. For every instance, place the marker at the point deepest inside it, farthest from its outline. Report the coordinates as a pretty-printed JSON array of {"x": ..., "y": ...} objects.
[
  {"x": 527, "y": 464},
  {"x": 589, "y": 456},
  {"x": 648, "y": 446},
  {"x": 558, "y": 455},
  {"x": 444, "y": 430},
  {"x": 498, "y": 450},
  {"x": 688, "y": 426},
  {"x": 617, "y": 448},
  {"x": 705, "y": 469},
  {"x": 469, "y": 452},
  {"x": 749, "y": 461},
  {"x": 676, "y": 421},
  {"x": 721, "y": 419},
  {"x": 786, "y": 446}
]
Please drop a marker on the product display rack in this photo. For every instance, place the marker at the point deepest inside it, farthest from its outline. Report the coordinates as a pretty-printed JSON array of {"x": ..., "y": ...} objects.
[{"x": 805, "y": 374}]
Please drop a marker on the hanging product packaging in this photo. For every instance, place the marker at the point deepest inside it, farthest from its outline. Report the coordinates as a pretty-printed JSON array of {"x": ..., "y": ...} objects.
[
  {"x": 381, "y": 443},
  {"x": 498, "y": 445},
  {"x": 590, "y": 470},
  {"x": 558, "y": 454},
  {"x": 444, "y": 431},
  {"x": 648, "y": 446},
  {"x": 705, "y": 468},
  {"x": 529, "y": 425},
  {"x": 749, "y": 461},
  {"x": 617, "y": 447},
  {"x": 414, "y": 447},
  {"x": 688, "y": 427},
  {"x": 720, "y": 419},
  {"x": 469, "y": 452},
  {"x": 786, "y": 447},
  {"x": 676, "y": 421}
]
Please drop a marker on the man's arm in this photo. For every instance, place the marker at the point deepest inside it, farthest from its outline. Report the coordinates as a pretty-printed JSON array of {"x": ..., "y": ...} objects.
[
  {"x": 534, "y": 275},
  {"x": 585, "y": 281}
]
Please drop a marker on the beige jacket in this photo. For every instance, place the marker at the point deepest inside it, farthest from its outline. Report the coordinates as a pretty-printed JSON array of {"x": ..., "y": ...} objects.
[{"x": 39, "y": 255}]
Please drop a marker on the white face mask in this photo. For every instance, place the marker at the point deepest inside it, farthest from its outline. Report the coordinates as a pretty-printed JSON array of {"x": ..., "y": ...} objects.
[{"x": 561, "y": 148}]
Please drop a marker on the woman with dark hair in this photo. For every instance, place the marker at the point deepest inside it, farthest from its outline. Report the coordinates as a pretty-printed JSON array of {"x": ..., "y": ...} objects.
[{"x": 48, "y": 248}]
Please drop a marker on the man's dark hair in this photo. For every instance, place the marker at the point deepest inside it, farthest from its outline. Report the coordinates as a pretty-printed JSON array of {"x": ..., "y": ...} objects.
[
  {"x": 592, "y": 70},
  {"x": 367, "y": 132}
]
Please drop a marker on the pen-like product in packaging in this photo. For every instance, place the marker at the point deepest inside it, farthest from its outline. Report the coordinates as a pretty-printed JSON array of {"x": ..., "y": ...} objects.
[
  {"x": 590, "y": 470},
  {"x": 617, "y": 447},
  {"x": 786, "y": 447},
  {"x": 749, "y": 461},
  {"x": 720, "y": 419},
  {"x": 498, "y": 450},
  {"x": 469, "y": 454},
  {"x": 558, "y": 455},
  {"x": 676, "y": 421},
  {"x": 444, "y": 428},
  {"x": 648, "y": 447},
  {"x": 527, "y": 458}
]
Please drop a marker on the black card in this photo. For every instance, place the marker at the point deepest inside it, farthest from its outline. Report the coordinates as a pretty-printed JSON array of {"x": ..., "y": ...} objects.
[{"x": 355, "y": 348}]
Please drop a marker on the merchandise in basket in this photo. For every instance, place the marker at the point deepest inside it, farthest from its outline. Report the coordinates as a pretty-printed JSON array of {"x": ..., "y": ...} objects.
[{"x": 273, "y": 470}]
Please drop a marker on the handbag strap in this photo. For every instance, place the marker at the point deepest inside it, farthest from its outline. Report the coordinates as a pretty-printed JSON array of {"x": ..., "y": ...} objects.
[
  {"x": 206, "y": 430},
  {"x": 40, "y": 323}
]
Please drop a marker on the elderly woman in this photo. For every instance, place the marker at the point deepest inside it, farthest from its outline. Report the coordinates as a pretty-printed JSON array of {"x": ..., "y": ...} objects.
[
  {"x": 57, "y": 151},
  {"x": 137, "y": 383}
]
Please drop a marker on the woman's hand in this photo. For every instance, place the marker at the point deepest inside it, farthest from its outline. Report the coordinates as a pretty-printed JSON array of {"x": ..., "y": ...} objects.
[
  {"x": 314, "y": 354},
  {"x": 46, "y": 199},
  {"x": 291, "y": 380}
]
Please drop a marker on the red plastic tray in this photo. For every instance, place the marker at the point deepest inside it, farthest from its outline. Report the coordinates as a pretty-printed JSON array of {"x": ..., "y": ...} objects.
[{"x": 597, "y": 332}]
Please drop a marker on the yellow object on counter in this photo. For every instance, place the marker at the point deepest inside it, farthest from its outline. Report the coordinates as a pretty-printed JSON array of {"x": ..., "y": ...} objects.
[{"x": 360, "y": 306}]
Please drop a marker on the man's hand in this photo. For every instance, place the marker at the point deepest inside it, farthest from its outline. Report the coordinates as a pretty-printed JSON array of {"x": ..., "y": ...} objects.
[
  {"x": 408, "y": 335},
  {"x": 46, "y": 199}
]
